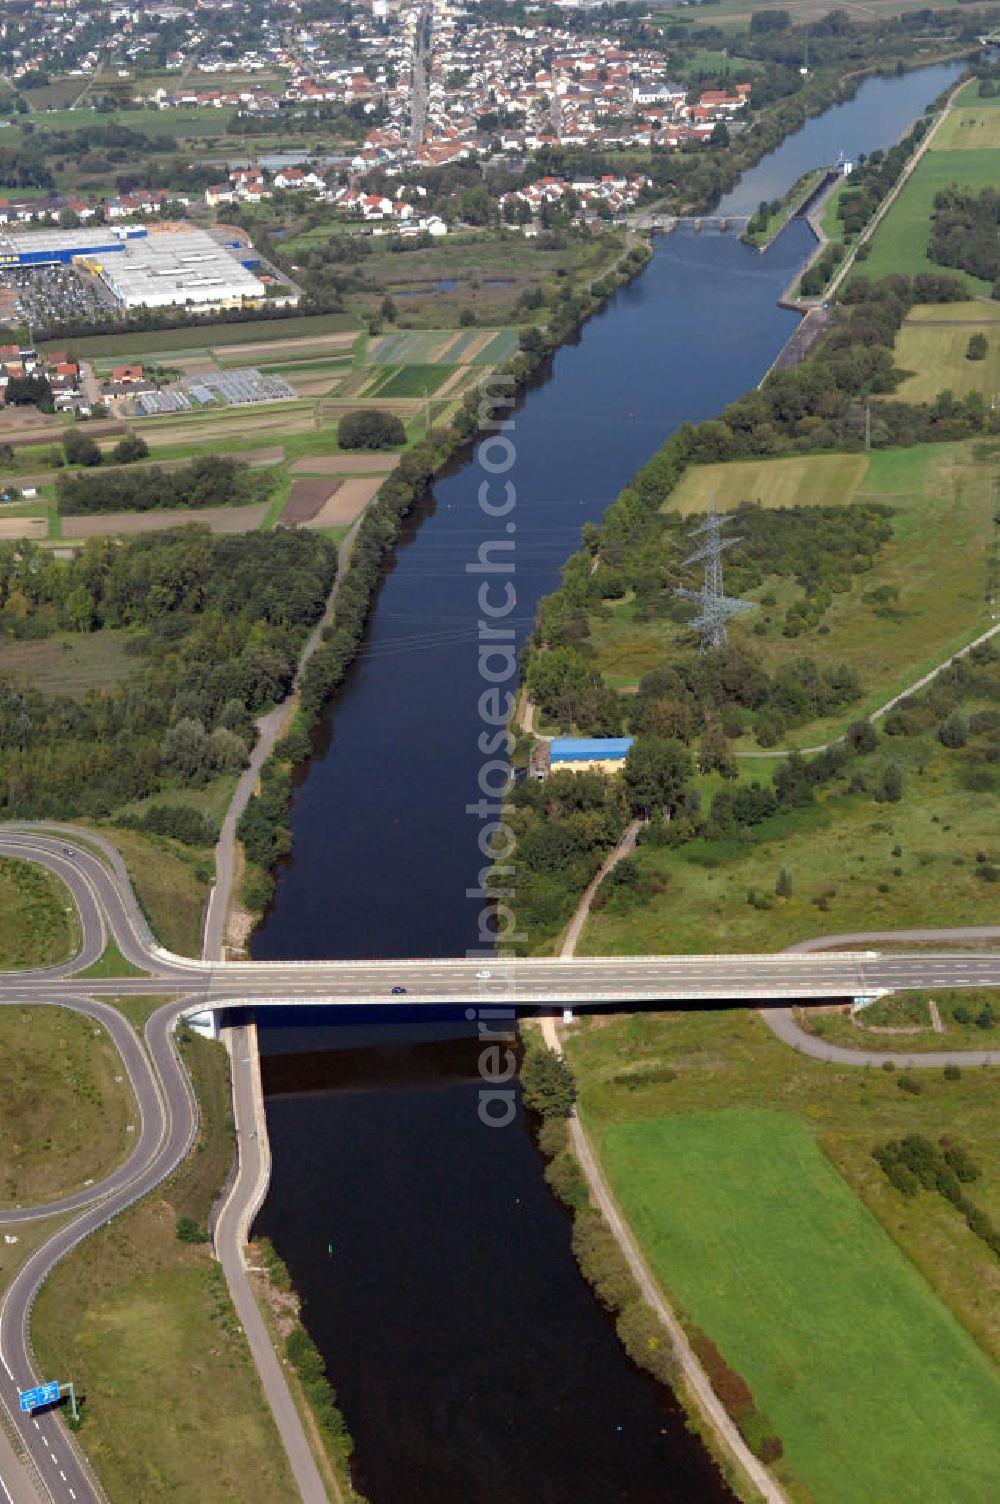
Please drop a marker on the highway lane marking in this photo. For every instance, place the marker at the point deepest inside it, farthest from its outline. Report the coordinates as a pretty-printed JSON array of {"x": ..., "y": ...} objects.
[
  {"x": 6, "y": 1492},
  {"x": 61, "y": 1473}
]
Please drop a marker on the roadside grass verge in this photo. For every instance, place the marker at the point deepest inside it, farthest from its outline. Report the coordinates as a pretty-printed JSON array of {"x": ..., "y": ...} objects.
[
  {"x": 30, "y": 1236},
  {"x": 134, "y": 1299},
  {"x": 901, "y": 1023},
  {"x": 38, "y": 919},
  {"x": 136, "y": 1009},
  {"x": 172, "y": 883},
  {"x": 846, "y": 1351},
  {"x": 111, "y": 964},
  {"x": 65, "y": 1104}
]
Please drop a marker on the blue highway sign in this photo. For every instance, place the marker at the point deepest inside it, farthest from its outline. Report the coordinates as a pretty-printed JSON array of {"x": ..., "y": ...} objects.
[{"x": 45, "y": 1394}]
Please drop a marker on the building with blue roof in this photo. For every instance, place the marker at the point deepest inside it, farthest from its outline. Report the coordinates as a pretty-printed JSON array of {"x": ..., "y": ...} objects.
[{"x": 582, "y": 754}]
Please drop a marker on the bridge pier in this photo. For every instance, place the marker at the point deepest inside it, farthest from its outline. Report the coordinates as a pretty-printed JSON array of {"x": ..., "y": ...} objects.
[{"x": 207, "y": 1024}]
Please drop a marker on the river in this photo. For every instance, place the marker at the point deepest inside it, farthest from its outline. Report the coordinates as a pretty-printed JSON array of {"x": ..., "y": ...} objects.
[{"x": 471, "y": 1361}]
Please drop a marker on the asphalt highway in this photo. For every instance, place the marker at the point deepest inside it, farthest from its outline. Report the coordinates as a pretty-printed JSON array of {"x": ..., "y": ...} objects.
[{"x": 95, "y": 876}]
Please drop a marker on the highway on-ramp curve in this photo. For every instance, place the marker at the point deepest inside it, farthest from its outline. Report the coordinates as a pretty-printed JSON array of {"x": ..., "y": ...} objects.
[{"x": 169, "y": 1122}]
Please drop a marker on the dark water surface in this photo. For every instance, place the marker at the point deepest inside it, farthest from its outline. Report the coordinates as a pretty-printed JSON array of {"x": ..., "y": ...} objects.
[{"x": 471, "y": 1361}]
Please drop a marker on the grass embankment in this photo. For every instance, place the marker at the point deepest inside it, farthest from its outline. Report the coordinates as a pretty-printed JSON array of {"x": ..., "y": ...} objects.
[
  {"x": 873, "y": 1387},
  {"x": 933, "y": 343},
  {"x": 66, "y": 1106},
  {"x": 172, "y": 883},
  {"x": 134, "y": 1300},
  {"x": 38, "y": 919},
  {"x": 111, "y": 964},
  {"x": 942, "y": 501},
  {"x": 902, "y": 1024}
]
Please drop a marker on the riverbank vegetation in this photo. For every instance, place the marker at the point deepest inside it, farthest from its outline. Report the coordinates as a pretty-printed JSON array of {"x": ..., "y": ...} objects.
[
  {"x": 771, "y": 218},
  {"x": 309, "y": 1384},
  {"x": 67, "y": 1107},
  {"x": 38, "y": 921},
  {"x": 832, "y": 1327},
  {"x": 137, "y": 1298}
]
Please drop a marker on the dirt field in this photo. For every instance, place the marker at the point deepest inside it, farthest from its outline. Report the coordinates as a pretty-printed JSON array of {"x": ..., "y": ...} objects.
[
  {"x": 315, "y": 386},
  {"x": 24, "y": 527},
  {"x": 346, "y": 464},
  {"x": 219, "y": 519},
  {"x": 452, "y": 381},
  {"x": 307, "y": 499},
  {"x": 347, "y": 502},
  {"x": 33, "y": 427},
  {"x": 230, "y": 423},
  {"x": 275, "y": 347}
]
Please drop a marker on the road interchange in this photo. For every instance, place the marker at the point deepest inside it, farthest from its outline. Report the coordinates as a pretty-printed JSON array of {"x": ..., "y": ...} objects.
[{"x": 108, "y": 909}]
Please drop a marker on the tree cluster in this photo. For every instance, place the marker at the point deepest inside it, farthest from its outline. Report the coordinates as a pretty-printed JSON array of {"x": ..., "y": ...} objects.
[
  {"x": 208, "y": 481},
  {"x": 913, "y": 1164},
  {"x": 370, "y": 428},
  {"x": 966, "y": 233}
]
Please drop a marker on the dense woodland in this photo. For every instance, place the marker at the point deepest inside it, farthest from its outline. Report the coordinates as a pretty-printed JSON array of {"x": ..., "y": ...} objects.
[{"x": 213, "y": 628}]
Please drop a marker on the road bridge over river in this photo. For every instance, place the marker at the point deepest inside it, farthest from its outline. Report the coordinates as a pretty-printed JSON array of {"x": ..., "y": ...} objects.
[{"x": 51, "y": 1466}]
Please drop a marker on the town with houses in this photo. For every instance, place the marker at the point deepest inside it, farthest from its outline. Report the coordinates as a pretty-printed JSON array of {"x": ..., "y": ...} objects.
[{"x": 423, "y": 85}]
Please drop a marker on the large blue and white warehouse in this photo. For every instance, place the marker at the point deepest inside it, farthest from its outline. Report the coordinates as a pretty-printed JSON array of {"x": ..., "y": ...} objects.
[{"x": 163, "y": 266}]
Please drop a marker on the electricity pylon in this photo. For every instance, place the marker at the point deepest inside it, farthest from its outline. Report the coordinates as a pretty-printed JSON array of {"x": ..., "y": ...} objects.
[{"x": 716, "y": 607}]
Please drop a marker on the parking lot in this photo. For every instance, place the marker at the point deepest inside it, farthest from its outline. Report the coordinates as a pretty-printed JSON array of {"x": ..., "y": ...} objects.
[{"x": 48, "y": 297}]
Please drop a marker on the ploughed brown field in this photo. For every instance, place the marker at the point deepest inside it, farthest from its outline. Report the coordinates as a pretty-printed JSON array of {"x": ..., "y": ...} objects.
[
  {"x": 320, "y": 503},
  {"x": 219, "y": 519}
]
